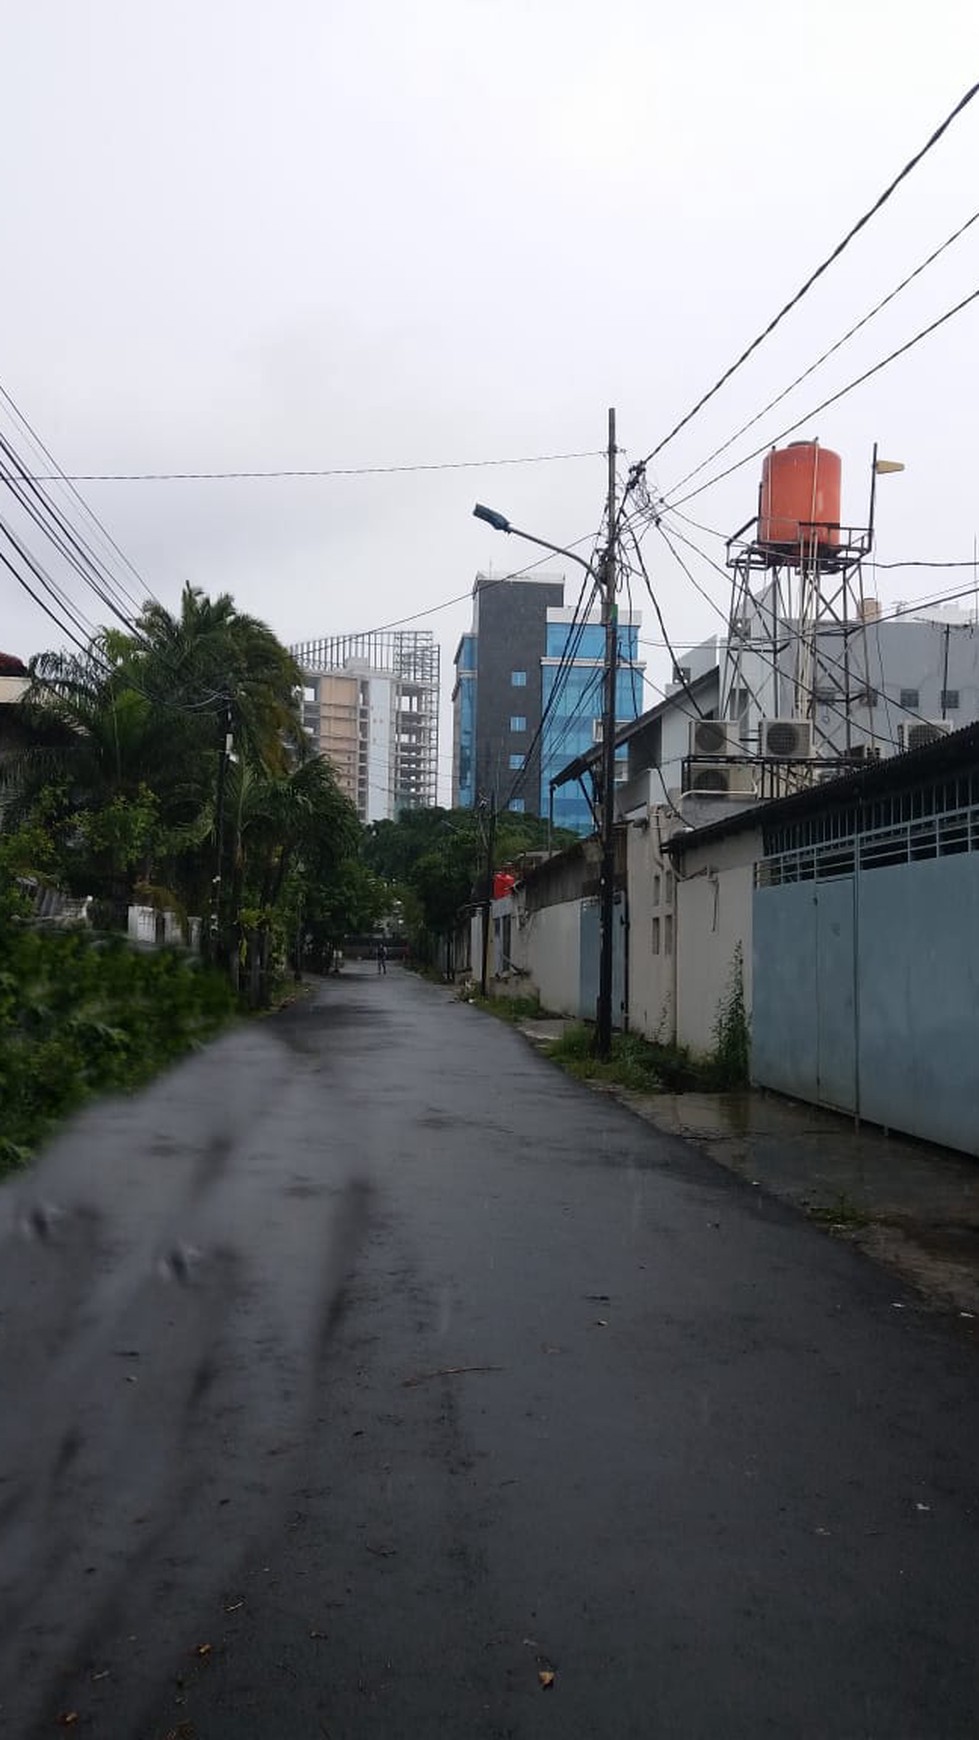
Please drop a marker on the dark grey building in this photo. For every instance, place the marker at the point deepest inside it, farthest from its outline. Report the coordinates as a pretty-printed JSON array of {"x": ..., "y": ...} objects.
[
  {"x": 495, "y": 751},
  {"x": 528, "y": 658}
]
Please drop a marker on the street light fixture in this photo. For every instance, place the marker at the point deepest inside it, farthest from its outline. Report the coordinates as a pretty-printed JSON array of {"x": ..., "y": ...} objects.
[{"x": 499, "y": 522}]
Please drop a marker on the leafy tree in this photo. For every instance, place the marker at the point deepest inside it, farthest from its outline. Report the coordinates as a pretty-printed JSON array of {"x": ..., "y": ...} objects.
[
  {"x": 113, "y": 791},
  {"x": 440, "y": 856}
]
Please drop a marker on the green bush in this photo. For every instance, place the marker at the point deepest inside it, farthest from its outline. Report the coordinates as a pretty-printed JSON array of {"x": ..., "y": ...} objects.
[
  {"x": 82, "y": 1016},
  {"x": 732, "y": 1038},
  {"x": 512, "y": 1009},
  {"x": 642, "y": 1065}
]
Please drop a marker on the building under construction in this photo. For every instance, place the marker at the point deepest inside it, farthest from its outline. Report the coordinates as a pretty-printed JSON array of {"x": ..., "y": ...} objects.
[{"x": 371, "y": 706}]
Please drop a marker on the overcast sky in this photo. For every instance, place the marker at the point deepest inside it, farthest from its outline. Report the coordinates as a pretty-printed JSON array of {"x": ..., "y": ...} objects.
[{"x": 385, "y": 232}]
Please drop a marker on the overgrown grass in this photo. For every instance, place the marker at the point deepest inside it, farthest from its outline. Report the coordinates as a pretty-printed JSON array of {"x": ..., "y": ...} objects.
[
  {"x": 511, "y": 1009},
  {"x": 82, "y": 1016},
  {"x": 732, "y": 1038},
  {"x": 839, "y": 1211},
  {"x": 636, "y": 1063}
]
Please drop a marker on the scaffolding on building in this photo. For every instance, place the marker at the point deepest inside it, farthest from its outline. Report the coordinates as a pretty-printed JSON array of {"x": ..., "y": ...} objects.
[{"x": 410, "y": 659}]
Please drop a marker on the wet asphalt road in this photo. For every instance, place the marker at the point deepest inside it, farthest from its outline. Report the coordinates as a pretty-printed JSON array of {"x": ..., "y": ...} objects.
[{"x": 590, "y": 1407}]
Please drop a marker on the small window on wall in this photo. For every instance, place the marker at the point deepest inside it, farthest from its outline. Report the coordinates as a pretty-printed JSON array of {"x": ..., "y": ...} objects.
[
  {"x": 518, "y": 679},
  {"x": 516, "y": 761},
  {"x": 656, "y": 890},
  {"x": 517, "y": 722},
  {"x": 655, "y": 936},
  {"x": 950, "y": 700},
  {"x": 668, "y": 934},
  {"x": 669, "y": 888},
  {"x": 910, "y": 698},
  {"x": 517, "y": 805}
]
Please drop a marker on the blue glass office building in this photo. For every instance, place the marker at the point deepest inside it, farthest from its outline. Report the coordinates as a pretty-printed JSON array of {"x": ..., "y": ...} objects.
[
  {"x": 512, "y": 736},
  {"x": 572, "y": 726}
]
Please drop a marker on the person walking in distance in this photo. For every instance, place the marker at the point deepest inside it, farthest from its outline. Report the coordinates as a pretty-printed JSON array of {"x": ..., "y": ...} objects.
[{"x": 382, "y": 958}]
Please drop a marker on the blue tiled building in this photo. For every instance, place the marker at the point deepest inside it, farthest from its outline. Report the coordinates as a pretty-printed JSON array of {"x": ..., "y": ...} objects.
[{"x": 524, "y": 644}]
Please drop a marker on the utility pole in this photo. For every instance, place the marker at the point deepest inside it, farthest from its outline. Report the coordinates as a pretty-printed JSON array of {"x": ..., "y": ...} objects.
[
  {"x": 488, "y": 896},
  {"x": 603, "y": 1012},
  {"x": 227, "y": 741}
]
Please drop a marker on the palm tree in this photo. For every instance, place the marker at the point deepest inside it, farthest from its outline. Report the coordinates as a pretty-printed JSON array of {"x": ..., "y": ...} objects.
[
  {"x": 294, "y": 826},
  {"x": 211, "y": 654}
]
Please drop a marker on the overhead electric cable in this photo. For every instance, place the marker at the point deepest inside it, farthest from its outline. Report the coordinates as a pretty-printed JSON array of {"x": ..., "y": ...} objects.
[
  {"x": 840, "y": 342},
  {"x": 831, "y": 400},
  {"x": 824, "y": 658},
  {"x": 861, "y": 224},
  {"x": 58, "y": 474},
  {"x": 315, "y": 471},
  {"x": 579, "y": 622}
]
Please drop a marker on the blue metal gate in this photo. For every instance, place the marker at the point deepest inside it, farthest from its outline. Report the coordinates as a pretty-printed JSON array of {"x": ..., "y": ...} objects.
[{"x": 866, "y": 973}]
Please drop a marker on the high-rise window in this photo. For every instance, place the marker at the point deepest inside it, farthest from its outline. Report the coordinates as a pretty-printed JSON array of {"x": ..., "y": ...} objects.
[
  {"x": 518, "y": 679},
  {"x": 517, "y": 722},
  {"x": 516, "y": 761}
]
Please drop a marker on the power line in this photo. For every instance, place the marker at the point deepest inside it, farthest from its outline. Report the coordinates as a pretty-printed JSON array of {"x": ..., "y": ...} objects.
[
  {"x": 840, "y": 342},
  {"x": 462, "y": 597},
  {"x": 312, "y": 471},
  {"x": 724, "y": 538},
  {"x": 832, "y": 400},
  {"x": 861, "y": 223},
  {"x": 921, "y": 564},
  {"x": 659, "y": 617},
  {"x": 40, "y": 602},
  {"x": 701, "y": 589},
  {"x": 579, "y": 622},
  {"x": 906, "y": 608},
  {"x": 823, "y": 658},
  {"x": 59, "y": 533},
  {"x": 58, "y": 474}
]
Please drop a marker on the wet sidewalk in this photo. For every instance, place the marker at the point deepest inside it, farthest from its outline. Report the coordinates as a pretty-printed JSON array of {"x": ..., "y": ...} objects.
[{"x": 910, "y": 1206}]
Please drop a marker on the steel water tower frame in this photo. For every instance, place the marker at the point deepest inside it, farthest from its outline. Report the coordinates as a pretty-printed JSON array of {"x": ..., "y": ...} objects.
[{"x": 797, "y": 579}]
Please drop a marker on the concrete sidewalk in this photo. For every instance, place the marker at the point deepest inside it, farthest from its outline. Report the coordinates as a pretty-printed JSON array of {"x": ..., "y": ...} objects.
[{"x": 910, "y": 1206}]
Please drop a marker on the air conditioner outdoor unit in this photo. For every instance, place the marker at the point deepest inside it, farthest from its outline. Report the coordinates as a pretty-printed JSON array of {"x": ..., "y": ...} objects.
[
  {"x": 786, "y": 739},
  {"x": 720, "y": 779},
  {"x": 916, "y": 733},
  {"x": 715, "y": 737}
]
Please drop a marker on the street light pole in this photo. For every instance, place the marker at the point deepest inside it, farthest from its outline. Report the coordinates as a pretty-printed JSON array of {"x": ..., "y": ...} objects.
[
  {"x": 213, "y": 943},
  {"x": 607, "y": 579},
  {"x": 606, "y": 887}
]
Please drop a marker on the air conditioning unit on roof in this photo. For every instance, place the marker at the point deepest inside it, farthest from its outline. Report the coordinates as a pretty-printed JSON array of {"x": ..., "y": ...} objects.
[
  {"x": 916, "y": 733},
  {"x": 715, "y": 737},
  {"x": 719, "y": 779},
  {"x": 786, "y": 739}
]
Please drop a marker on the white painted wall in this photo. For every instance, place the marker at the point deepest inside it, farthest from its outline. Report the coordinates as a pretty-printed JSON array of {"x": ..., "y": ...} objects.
[
  {"x": 545, "y": 952},
  {"x": 714, "y": 896},
  {"x": 652, "y": 958},
  {"x": 548, "y": 943}
]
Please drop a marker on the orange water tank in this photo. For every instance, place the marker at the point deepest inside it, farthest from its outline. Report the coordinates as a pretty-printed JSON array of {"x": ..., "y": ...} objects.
[{"x": 800, "y": 499}]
